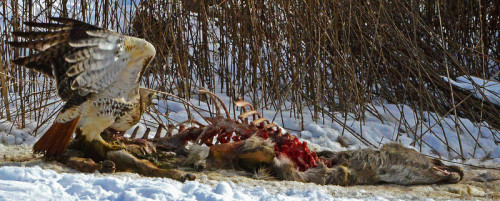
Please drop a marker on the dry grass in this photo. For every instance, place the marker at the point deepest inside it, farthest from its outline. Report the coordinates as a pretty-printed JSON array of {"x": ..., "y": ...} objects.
[{"x": 322, "y": 56}]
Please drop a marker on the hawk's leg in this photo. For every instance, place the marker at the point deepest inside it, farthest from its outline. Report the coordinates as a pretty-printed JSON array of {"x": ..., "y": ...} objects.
[
  {"x": 98, "y": 149},
  {"x": 92, "y": 126}
]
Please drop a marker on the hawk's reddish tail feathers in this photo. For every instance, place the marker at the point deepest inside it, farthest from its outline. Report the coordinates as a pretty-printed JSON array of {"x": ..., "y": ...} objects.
[{"x": 57, "y": 138}]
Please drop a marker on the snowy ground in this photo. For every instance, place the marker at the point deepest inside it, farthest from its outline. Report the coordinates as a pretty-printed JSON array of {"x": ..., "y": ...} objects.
[
  {"x": 38, "y": 180},
  {"x": 17, "y": 183}
]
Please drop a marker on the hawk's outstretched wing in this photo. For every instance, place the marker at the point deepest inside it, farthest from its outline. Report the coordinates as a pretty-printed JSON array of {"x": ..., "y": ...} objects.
[
  {"x": 97, "y": 73},
  {"x": 81, "y": 57}
]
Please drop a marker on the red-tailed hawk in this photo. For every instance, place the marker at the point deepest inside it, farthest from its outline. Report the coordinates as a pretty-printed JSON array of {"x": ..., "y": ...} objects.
[{"x": 97, "y": 72}]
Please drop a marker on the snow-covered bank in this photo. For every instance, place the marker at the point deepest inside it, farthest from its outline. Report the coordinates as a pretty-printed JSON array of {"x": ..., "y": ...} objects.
[{"x": 427, "y": 132}]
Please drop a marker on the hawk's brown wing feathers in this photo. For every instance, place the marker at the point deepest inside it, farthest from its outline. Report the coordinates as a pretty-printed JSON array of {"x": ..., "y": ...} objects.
[
  {"x": 39, "y": 45},
  {"x": 53, "y": 45},
  {"x": 34, "y": 35}
]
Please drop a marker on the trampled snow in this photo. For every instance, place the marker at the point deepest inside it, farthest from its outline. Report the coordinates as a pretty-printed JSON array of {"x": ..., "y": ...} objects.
[{"x": 35, "y": 183}]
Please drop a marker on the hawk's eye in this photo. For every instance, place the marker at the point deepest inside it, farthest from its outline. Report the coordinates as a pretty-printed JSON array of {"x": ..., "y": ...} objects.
[{"x": 119, "y": 46}]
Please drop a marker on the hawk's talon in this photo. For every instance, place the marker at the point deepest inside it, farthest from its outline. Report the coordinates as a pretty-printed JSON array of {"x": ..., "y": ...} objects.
[{"x": 114, "y": 146}]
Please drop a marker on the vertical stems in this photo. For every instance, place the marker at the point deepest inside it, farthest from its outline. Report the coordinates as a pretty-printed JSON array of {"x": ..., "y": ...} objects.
[{"x": 4, "y": 85}]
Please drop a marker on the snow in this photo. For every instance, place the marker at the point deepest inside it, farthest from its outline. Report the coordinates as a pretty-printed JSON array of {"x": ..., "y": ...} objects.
[
  {"x": 487, "y": 90},
  {"x": 496, "y": 152},
  {"x": 35, "y": 183},
  {"x": 11, "y": 135}
]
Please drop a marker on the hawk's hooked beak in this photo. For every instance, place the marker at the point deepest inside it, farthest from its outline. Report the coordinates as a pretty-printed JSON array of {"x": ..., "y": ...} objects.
[
  {"x": 143, "y": 48},
  {"x": 148, "y": 49}
]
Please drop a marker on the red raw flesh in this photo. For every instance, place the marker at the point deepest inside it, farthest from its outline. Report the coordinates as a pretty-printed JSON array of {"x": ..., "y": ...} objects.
[
  {"x": 285, "y": 145},
  {"x": 296, "y": 151}
]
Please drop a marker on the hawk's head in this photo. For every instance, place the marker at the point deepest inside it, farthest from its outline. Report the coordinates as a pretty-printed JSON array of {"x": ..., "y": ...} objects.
[{"x": 139, "y": 50}]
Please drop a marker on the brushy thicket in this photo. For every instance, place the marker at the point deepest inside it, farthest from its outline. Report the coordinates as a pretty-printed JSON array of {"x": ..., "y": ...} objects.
[{"x": 320, "y": 55}]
